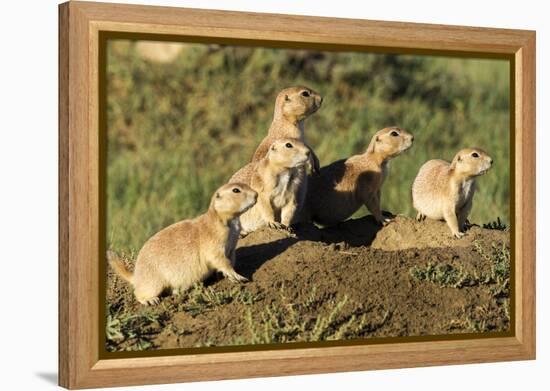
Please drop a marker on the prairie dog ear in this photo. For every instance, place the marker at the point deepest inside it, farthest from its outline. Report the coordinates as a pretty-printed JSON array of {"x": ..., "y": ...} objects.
[
  {"x": 459, "y": 158},
  {"x": 287, "y": 98},
  {"x": 218, "y": 195},
  {"x": 273, "y": 148},
  {"x": 377, "y": 139}
]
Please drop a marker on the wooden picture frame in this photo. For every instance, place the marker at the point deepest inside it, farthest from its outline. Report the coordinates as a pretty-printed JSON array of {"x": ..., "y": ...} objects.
[{"x": 80, "y": 27}]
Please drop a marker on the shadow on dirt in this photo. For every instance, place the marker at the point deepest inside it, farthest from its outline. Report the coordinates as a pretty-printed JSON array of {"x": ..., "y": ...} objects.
[
  {"x": 353, "y": 232},
  {"x": 251, "y": 258}
]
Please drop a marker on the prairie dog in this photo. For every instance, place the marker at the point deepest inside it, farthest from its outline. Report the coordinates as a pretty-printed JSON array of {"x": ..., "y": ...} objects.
[
  {"x": 277, "y": 183},
  {"x": 345, "y": 185},
  {"x": 188, "y": 251},
  {"x": 292, "y": 106},
  {"x": 445, "y": 191}
]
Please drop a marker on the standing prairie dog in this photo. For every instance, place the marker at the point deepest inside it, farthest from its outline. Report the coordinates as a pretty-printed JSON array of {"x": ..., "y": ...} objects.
[
  {"x": 292, "y": 106},
  {"x": 275, "y": 180},
  {"x": 188, "y": 251},
  {"x": 445, "y": 191},
  {"x": 345, "y": 185}
]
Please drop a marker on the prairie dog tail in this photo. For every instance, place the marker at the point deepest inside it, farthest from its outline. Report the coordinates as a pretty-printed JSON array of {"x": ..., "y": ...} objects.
[{"x": 119, "y": 267}]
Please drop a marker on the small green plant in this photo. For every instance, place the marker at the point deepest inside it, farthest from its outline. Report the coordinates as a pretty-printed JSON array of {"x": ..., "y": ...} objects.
[
  {"x": 447, "y": 275},
  {"x": 444, "y": 275},
  {"x": 285, "y": 321},
  {"x": 366, "y": 324},
  {"x": 481, "y": 318},
  {"x": 499, "y": 274},
  {"x": 276, "y": 325},
  {"x": 247, "y": 298},
  {"x": 112, "y": 329},
  {"x": 201, "y": 299},
  {"x": 133, "y": 332}
]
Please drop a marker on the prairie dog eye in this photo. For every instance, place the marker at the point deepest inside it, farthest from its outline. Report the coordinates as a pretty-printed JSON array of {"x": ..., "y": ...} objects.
[
  {"x": 288, "y": 145},
  {"x": 475, "y": 154},
  {"x": 236, "y": 190},
  {"x": 305, "y": 94},
  {"x": 394, "y": 134}
]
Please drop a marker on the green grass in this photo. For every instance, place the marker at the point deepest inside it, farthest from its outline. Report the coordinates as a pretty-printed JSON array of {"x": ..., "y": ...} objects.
[
  {"x": 455, "y": 276},
  {"x": 444, "y": 275},
  {"x": 481, "y": 318},
  {"x": 178, "y": 131},
  {"x": 287, "y": 320},
  {"x": 201, "y": 299},
  {"x": 134, "y": 330},
  {"x": 499, "y": 275}
]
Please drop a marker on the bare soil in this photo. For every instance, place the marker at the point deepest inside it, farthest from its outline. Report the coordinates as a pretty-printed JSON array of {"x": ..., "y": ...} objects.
[{"x": 355, "y": 280}]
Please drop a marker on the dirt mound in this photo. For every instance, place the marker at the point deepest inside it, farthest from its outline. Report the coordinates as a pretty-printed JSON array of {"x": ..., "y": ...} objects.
[
  {"x": 356, "y": 280},
  {"x": 401, "y": 234}
]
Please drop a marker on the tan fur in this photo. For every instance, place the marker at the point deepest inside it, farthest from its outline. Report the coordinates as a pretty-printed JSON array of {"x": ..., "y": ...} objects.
[
  {"x": 344, "y": 186},
  {"x": 274, "y": 179},
  {"x": 445, "y": 191},
  {"x": 189, "y": 251},
  {"x": 291, "y": 110}
]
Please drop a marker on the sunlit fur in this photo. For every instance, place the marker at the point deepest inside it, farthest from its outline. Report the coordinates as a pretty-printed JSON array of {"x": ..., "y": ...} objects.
[
  {"x": 445, "y": 191},
  {"x": 187, "y": 252},
  {"x": 291, "y": 110},
  {"x": 277, "y": 181},
  {"x": 345, "y": 185}
]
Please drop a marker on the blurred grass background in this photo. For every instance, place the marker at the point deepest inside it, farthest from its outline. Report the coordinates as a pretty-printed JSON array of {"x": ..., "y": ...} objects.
[{"x": 181, "y": 120}]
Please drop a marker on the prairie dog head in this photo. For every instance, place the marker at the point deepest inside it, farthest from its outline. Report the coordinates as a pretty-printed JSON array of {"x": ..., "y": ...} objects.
[
  {"x": 390, "y": 142},
  {"x": 288, "y": 153},
  {"x": 471, "y": 162},
  {"x": 233, "y": 199},
  {"x": 297, "y": 103}
]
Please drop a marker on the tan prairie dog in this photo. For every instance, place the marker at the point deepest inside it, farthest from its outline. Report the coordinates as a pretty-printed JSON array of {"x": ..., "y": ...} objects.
[
  {"x": 345, "y": 185},
  {"x": 292, "y": 106},
  {"x": 189, "y": 251},
  {"x": 445, "y": 191},
  {"x": 277, "y": 183}
]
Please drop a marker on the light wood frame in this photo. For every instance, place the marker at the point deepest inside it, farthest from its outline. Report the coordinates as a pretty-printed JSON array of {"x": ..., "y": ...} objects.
[{"x": 80, "y": 24}]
